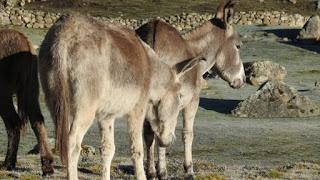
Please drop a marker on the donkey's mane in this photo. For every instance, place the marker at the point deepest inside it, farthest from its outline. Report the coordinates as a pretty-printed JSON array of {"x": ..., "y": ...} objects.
[{"x": 198, "y": 32}]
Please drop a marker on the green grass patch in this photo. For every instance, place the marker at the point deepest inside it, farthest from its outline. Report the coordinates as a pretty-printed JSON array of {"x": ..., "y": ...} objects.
[
  {"x": 28, "y": 176},
  {"x": 274, "y": 174}
]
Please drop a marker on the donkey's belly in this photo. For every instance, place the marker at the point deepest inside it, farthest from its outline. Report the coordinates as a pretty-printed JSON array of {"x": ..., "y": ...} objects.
[{"x": 119, "y": 101}]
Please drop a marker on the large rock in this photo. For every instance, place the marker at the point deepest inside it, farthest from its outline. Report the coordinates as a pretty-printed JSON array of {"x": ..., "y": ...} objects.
[
  {"x": 259, "y": 72},
  {"x": 311, "y": 30},
  {"x": 276, "y": 99}
]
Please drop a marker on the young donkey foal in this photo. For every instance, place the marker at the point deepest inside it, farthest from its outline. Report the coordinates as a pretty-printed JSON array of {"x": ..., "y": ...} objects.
[
  {"x": 219, "y": 44},
  {"x": 91, "y": 70},
  {"x": 19, "y": 75}
]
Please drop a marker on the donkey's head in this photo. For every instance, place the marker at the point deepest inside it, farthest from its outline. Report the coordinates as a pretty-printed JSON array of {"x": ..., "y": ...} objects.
[
  {"x": 225, "y": 48},
  {"x": 163, "y": 110}
]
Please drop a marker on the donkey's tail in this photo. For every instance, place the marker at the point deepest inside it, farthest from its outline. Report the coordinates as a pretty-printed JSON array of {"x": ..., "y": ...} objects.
[
  {"x": 54, "y": 78},
  {"x": 28, "y": 89}
]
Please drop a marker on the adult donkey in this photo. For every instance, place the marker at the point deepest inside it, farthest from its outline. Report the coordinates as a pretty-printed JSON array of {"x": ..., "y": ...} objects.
[
  {"x": 19, "y": 75},
  {"x": 217, "y": 42},
  {"x": 91, "y": 70}
]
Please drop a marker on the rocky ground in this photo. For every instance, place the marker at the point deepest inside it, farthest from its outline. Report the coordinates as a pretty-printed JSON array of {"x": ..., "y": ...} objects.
[{"x": 225, "y": 147}]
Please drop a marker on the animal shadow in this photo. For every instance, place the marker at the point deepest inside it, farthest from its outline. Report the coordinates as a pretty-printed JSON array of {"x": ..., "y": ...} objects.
[
  {"x": 291, "y": 34},
  {"x": 219, "y": 105}
]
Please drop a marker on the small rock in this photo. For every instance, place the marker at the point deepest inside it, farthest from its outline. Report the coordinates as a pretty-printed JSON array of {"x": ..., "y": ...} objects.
[
  {"x": 259, "y": 72},
  {"x": 293, "y": 1},
  {"x": 285, "y": 39},
  {"x": 276, "y": 99}
]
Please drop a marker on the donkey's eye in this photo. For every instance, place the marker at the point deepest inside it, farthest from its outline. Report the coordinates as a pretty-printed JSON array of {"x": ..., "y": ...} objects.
[{"x": 238, "y": 46}]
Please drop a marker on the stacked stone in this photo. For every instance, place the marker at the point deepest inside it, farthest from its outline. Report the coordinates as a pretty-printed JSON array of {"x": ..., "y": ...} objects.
[
  {"x": 183, "y": 22},
  {"x": 273, "y": 18}
]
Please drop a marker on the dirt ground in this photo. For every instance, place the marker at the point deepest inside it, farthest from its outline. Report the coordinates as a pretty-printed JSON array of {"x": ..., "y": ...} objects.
[{"x": 224, "y": 147}]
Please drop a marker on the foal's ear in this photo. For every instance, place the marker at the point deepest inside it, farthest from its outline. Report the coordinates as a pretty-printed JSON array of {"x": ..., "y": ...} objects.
[
  {"x": 185, "y": 66},
  {"x": 225, "y": 11}
]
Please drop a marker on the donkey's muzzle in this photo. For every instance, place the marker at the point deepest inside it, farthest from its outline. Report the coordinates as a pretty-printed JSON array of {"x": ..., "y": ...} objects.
[{"x": 237, "y": 83}]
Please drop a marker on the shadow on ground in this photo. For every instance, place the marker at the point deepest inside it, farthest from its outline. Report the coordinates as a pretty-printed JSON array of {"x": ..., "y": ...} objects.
[
  {"x": 219, "y": 105},
  {"x": 291, "y": 34}
]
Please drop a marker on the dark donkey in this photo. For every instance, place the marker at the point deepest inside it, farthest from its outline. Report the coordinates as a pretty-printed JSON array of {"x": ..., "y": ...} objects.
[
  {"x": 19, "y": 75},
  {"x": 219, "y": 44}
]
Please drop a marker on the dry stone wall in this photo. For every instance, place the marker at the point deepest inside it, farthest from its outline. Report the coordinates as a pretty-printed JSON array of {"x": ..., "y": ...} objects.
[{"x": 183, "y": 22}]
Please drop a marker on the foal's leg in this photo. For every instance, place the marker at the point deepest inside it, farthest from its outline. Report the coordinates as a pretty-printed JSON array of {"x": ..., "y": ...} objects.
[
  {"x": 108, "y": 148},
  {"x": 162, "y": 164},
  {"x": 13, "y": 126},
  {"x": 135, "y": 126},
  {"x": 189, "y": 113},
  {"x": 150, "y": 142},
  {"x": 82, "y": 121},
  {"x": 37, "y": 124}
]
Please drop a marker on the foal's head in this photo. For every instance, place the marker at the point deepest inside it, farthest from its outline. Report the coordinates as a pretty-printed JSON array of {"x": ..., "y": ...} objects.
[
  {"x": 225, "y": 48},
  {"x": 162, "y": 113}
]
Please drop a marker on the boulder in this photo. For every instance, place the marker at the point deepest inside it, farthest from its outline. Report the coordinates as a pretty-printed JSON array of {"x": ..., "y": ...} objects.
[
  {"x": 276, "y": 99},
  {"x": 259, "y": 72},
  {"x": 311, "y": 29}
]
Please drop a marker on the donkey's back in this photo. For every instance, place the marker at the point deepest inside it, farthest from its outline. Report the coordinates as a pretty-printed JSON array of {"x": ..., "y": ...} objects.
[{"x": 102, "y": 62}]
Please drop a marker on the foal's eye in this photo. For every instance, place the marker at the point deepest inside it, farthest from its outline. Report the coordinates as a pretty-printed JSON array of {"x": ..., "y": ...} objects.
[{"x": 238, "y": 46}]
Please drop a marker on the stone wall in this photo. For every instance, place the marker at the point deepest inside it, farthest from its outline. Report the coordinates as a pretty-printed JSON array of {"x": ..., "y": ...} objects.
[{"x": 183, "y": 22}]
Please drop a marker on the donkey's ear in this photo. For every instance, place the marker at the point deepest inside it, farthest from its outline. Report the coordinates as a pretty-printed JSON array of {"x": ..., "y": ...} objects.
[
  {"x": 225, "y": 11},
  {"x": 185, "y": 66}
]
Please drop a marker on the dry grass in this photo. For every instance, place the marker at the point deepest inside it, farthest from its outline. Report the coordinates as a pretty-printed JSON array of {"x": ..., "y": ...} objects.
[{"x": 153, "y": 8}]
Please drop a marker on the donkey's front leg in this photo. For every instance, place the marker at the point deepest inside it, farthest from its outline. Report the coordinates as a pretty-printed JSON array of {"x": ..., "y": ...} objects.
[
  {"x": 149, "y": 139},
  {"x": 107, "y": 146},
  {"x": 189, "y": 113},
  {"x": 135, "y": 127},
  {"x": 162, "y": 164}
]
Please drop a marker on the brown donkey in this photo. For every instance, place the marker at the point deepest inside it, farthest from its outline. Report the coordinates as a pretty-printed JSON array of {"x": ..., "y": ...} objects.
[
  {"x": 19, "y": 75},
  {"x": 91, "y": 70},
  {"x": 217, "y": 42}
]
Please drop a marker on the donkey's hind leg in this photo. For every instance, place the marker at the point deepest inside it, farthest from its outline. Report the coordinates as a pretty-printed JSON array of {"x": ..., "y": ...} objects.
[
  {"x": 149, "y": 139},
  {"x": 37, "y": 124},
  {"x": 135, "y": 127},
  {"x": 83, "y": 119},
  {"x": 107, "y": 145},
  {"x": 13, "y": 126}
]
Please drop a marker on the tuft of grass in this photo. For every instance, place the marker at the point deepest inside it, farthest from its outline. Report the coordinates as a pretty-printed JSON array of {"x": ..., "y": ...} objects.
[
  {"x": 28, "y": 176},
  {"x": 274, "y": 174},
  {"x": 4, "y": 175}
]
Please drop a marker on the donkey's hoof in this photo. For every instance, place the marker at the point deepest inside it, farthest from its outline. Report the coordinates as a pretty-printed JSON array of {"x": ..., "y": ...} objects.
[
  {"x": 47, "y": 167},
  {"x": 47, "y": 171},
  {"x": 189, "y": 177},
  {"x": 7, "y": 166},
  {"x": 163, "y": 175},
  {"x": 151, "y": 175}
]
